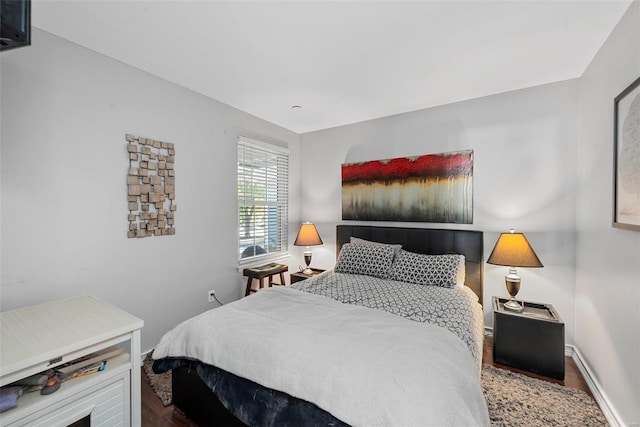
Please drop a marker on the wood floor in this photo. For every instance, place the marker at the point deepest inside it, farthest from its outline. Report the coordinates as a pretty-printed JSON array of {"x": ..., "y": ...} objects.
[{"x": 156, "y": 415}]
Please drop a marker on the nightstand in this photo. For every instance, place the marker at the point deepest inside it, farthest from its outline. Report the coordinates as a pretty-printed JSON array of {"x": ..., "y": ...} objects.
[
  {"x": 299, "y": 275},
  {"x": 532, "y": 340}
]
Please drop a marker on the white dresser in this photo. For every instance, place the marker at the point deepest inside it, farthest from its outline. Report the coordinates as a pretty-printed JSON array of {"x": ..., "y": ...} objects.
[{"x": 35, "y": 339}]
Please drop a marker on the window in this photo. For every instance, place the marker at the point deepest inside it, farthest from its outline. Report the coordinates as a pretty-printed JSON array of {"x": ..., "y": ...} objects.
[{"x": 263, "y": 192}]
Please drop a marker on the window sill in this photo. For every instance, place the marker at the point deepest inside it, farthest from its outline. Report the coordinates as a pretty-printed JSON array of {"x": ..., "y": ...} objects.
[{"x": 256, "y": 261}]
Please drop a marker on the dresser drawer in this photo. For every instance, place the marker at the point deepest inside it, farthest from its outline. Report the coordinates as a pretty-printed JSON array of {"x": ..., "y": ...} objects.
[{"x": 104, "y": 404}]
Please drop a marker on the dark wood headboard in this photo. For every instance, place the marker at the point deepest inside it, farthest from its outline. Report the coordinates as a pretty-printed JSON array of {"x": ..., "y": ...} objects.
[{"x": 427, "y": 241}]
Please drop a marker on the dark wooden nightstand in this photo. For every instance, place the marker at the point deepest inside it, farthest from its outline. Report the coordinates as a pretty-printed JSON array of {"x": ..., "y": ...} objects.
[
  {"x": 532, "y": 340},
  {"x": 299, "y": 275}
]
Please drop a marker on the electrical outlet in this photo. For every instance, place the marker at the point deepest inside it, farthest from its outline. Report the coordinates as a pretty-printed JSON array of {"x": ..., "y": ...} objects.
[{"x": 211, "y": 295}]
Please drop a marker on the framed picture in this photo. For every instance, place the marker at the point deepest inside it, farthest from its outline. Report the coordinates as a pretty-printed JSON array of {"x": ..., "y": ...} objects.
[
  {"x": 428, "y": 188},
  {"x": 626, "y": 158}
]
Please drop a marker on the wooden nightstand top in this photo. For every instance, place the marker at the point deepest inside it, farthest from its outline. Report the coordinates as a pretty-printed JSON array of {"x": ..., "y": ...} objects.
[
  {"x": 299, "y": 275},
  {"x": 531, "y": 310}
]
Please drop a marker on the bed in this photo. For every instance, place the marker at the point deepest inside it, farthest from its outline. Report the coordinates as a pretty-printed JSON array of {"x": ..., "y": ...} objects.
[{"x": 367, "y": 343}]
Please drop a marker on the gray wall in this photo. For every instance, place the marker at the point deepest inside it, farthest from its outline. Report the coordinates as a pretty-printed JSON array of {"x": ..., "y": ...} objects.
[
  {"x": 524, "y": 144},
  {"x": 608, "y": 259},
  {"x": 65, "y": 112}
]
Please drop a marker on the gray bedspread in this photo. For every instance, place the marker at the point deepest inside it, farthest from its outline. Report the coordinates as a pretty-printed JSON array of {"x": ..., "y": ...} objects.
[
  {"x": 299, "y": 344},
  {"x": 455, "y": 309}
]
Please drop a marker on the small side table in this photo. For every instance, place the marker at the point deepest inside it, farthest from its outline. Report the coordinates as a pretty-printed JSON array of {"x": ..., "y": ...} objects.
[
  {"x": 532, "y": 340},
  {"x": 300, "y": 276},
  {"x": 263, "y": 272}
]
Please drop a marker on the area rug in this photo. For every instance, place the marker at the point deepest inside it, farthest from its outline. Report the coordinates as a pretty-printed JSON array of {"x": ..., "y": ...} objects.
[
  {"x": 513, "y": 400},
  {"x": 517, "y": 400},
  {"x": 160, "y": 383}
]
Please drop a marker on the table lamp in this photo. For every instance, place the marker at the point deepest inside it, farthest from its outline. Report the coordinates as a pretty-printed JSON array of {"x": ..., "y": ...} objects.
[
  {"x": 513, "y": 250},
  {"x": 308, "y": 236}
]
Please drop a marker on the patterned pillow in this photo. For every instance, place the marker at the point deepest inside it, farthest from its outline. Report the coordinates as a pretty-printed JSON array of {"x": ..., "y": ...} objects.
[
  {"x": 442, "y": 270},
  {"x": 359, "y": 241},
  {"x": 365, "y": 259}
]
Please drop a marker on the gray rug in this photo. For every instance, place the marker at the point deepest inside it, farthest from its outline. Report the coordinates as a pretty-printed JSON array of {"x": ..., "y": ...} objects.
[
  {"x": 517, "y": 400},
  {"x": 513, "y": 400},
  {"x": 160, "y": 383}
]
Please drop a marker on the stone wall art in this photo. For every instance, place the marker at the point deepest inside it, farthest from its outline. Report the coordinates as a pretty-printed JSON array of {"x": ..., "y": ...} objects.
[
  {"x": 428, "y": 188},
  {"x": 151, "y": 187}
]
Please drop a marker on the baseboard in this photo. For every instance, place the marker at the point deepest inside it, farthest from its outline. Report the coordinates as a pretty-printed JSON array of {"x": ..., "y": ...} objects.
[
  {"x": 609, "y": 411},
  {"x": 488, "y": 331}
]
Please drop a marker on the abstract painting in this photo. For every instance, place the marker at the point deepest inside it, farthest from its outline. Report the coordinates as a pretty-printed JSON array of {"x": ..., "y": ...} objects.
[
  {"x": 429, "y": 188},
  {"x": 626, "y": 198}
]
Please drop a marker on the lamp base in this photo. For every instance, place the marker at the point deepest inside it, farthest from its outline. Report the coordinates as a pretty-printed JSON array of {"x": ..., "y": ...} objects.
[
  {"x": 512, "y": 283},
  {"x": 307, "y": 260},
  {"x": 513, "y": 305}
]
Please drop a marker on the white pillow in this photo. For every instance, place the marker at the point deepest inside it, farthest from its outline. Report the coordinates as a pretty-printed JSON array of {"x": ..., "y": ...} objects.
[{"x": 441, "y": 270}]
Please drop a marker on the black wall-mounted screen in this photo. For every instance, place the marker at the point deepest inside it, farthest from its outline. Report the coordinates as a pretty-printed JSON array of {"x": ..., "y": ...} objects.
[{"x": 15, "y": 23}]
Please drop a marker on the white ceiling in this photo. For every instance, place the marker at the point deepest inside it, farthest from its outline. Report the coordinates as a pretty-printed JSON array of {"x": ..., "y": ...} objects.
[{"x": 342, "y": 61}]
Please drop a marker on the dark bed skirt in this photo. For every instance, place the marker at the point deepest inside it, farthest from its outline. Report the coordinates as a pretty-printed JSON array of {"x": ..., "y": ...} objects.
[
  {"x": 210, "y": 396},
  {"x": 192, "y": 396}
]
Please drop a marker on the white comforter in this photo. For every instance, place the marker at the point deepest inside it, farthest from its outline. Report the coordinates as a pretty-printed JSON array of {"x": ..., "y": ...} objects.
[{"x": 364, "y": 366}]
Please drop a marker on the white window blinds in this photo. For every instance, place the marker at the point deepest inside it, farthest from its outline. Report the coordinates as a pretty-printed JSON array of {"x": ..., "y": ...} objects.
[{"x": 263, "y": 192}]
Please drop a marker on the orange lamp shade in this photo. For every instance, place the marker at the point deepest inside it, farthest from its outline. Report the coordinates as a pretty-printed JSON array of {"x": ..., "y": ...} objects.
[
  {"x": 308, "y": 235},
  {"x": 513, "y": 250}
]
